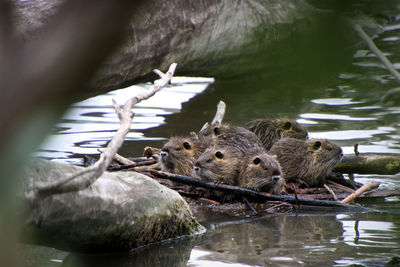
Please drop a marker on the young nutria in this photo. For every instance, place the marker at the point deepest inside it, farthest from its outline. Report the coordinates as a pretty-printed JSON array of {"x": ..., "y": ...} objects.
[
  {"x": 307, "y": 160},
  {"x": 261, "y": 171},
  {"x": 270, "y": 131},
  {"x": 219, "y": 163},
  {"x": 225, "y": 134},
  {"x": 180, "y": 153}
]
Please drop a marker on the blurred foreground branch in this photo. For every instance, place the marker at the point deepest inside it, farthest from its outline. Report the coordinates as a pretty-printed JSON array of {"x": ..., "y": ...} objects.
[{"x": 87, "y": 176}]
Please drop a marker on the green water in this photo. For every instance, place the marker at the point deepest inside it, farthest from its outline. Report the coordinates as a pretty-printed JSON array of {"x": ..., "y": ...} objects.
[{"x": 341, "y": 104}]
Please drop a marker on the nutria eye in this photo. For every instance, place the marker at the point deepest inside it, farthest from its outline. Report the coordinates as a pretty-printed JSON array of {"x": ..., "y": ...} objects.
[
  {"x": 287, "y": 125},
  {"x": 329, "y": 148},
  {"x": 217, "y": 131},
  {"x": 256, "y": 161},
  {"x": 317, "y": 145},
  {"x": 219, "y": 155},
  {"x": 186, "y": 145}
]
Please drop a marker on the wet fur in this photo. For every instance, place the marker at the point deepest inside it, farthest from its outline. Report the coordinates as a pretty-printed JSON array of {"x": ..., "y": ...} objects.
[
  {"x": 226, "y": 169},
  {"x": 229, "y": 135},
  {"x": 269, "y": 131},
  {"x": 308, "y": 160},
  {"x": 257, "y": 172},
  {"x": 181, "y": 158}
]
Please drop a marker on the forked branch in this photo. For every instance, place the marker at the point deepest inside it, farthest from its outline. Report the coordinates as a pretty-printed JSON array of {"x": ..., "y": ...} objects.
[{"x": 86, "y": 177}]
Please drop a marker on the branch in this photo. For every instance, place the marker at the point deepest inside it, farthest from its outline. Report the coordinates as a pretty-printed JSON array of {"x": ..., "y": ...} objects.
[
  {"x": 253, "y": 195},
  {"x": 219, "y": 115},
  {"x": 377, "y": 52},
  {"x": 125, "y": 115},
  {"x": 369, "y": 164},
  {"x": 360, "y": 190}
]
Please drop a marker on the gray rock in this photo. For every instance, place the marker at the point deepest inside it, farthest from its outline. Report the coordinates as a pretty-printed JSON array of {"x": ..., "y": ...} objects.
[{"x": 119, "y": 211}]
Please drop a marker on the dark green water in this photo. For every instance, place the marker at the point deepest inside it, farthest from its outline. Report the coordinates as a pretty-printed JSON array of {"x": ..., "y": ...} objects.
[{"x": 343, "y": 106}]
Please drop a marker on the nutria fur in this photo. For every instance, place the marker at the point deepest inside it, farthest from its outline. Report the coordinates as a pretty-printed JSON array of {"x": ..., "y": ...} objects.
[
  {"x": 270, "y": 131},
  {"x": 261, "y": 172},
  {"x": 180, "y": 153},
  {"x": 307, "y": 160},
  {"x": 219, "y": 163},
  {"x": 229, "y": 135}
]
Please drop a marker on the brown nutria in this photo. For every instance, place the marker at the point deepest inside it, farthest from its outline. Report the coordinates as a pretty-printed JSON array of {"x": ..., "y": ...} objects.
[
  {"x": 180, "y": 153},
  {"x": 261, "y": 171},
  {"x": 270, "y": 131},
  {"x": 219, "y": 163},
  {"x": 307, "y": 160},
  {"x": 225, "y": 134}
]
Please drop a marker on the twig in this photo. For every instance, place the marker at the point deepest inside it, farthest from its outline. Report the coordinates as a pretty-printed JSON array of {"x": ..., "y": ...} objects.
[
  {"x": 356, "y": 150},
  {"x": 331, "y": 192},
  {"x": 125, "y": 115},
  {"x": 359, "y": 191},
  {"x": 343, "y": 187},
  {"x": 377, "y": 52},
  {"x": 219, "y": 115},
  {"x": 253, "y": 195},
  {"x": 119, "y": 158},
  {"x": 248, "y": 204}
]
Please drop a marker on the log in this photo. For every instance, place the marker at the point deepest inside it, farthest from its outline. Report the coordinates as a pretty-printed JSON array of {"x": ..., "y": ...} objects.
[
  {"x": 256, "y": 196},
  {"x": 369, "y": 164}
]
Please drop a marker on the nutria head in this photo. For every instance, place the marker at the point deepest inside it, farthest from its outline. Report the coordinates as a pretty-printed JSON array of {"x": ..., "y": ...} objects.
[
  {"x": 308, "y": 160},
  {"x": 219, "y": 163},
  {"x": 270, "y": 131},
  {"x": 179, "y": 154},
  {"x": 325, "y": 155},
  {"x": 261, "y": 171},
  {"x": 229, "y": 135}
]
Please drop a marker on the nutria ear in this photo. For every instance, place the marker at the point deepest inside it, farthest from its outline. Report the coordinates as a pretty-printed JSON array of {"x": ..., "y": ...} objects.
[
  {"x": 287, "y": 125},
  {"x": 317, "y": 145},
  {"x": 217, "y": 131},
  {"x": 219, "y": 154},
  {"x": 186, "y": 145},
  {"x": 257, "y": 161}
]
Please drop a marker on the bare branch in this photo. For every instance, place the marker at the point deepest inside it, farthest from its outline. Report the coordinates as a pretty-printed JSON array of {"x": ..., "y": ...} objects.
[
  {"x": 125, "y": 115},
  {"x": 360, "y": 190},
  {"x": 377, "y": 52},
  {"x": 219, "y": 115}
]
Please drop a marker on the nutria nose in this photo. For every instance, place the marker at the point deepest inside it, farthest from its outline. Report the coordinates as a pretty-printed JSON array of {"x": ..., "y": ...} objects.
[
  {"x": 196, "y": 169},
  {"x": 163, "y": 154},
  {"x": 276, "y": 178}
]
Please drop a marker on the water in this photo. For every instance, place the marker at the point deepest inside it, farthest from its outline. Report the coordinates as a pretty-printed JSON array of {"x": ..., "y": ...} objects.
[{"x": 346, "y": 109}]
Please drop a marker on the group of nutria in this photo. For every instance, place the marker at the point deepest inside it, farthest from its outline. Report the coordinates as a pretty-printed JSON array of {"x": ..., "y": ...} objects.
[{"x": 263, "y": 155}]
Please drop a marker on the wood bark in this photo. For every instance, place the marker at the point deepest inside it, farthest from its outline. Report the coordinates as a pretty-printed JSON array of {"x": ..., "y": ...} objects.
[
  {"x": 369, "y": 164},
  {"x": 205, "y": 37}
]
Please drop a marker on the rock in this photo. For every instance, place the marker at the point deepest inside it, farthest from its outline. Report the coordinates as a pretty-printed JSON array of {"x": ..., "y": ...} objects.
[{"x": 118, "y": 212}]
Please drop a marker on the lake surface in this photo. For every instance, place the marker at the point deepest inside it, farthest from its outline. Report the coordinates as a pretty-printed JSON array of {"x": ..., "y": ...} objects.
[{"x": 345, "y": 108}]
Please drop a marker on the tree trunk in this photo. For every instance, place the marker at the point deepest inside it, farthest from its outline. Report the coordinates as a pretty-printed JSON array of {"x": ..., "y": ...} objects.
[{"x": 210, "y": 38}]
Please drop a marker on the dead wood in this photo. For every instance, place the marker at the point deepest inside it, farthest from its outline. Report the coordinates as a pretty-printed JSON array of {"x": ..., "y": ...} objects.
[
  {"x": 361, "y": 190},
  {"x": 331, "y": 192},
  {"x": 369, "y": 164},
  {"x": 385, "y": 61},
  {"x": 252, "y": 195},
  {"x": 86, "y": 177}
]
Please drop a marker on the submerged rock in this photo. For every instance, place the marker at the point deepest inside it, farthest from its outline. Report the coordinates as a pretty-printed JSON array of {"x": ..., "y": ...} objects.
[{"x": 119, "y": 211}]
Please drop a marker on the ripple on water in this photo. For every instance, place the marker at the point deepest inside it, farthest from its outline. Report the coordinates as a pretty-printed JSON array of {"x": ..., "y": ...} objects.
[
  {"x": 326, "y": 116},
  {"x": 335, "y": 101}
]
